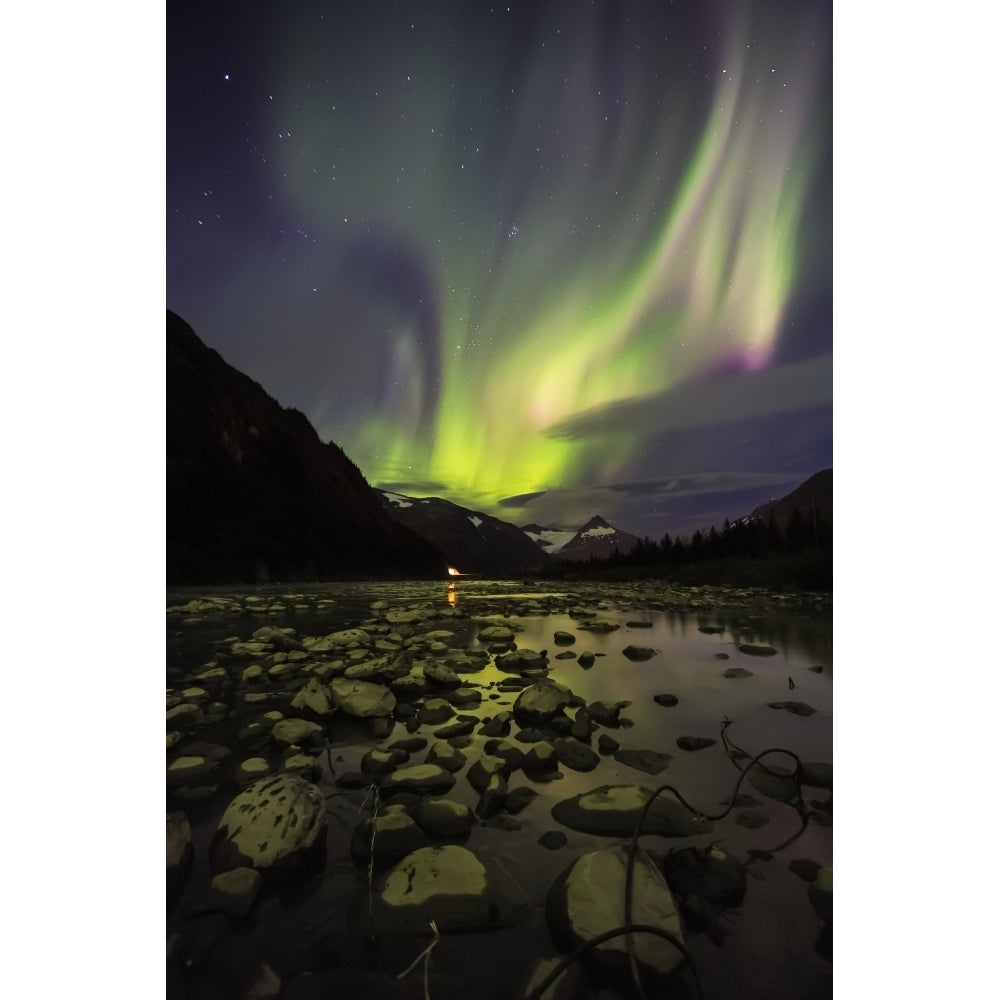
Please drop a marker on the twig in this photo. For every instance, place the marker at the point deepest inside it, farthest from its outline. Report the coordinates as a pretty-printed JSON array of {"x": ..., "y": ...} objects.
[{"x": 426, "y": 956}]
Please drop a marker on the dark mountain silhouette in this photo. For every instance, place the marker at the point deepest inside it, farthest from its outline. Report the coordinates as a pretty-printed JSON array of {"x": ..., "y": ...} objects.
[
  {"x": 599, "y": 539},
  {"x": 813, "y": 500},
  {"x": 253, "y": 495},
  {"x": 473, "y": 542}
]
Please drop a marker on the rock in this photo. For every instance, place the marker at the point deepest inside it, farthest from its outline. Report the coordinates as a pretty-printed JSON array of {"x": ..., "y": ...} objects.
[
  {"x": 806, "y": 869},
  {"x": 586, "y": 660},
  {"x": 541, "y": 701},
  {"x": 180, "y": 855},
  {"x": 815, "y": 670},
  {"x": 795, "y": 707},
  {"x": 380, "y": 761},
  {"x": 251, "y": 770},
  {"x": 564, "y": 638},
  {"x": 568, "y": 986},
  {"x": 276, "y": 825},
  {"x": 530, "y": 735},
  {"x": 614, "y": 811},
  {"x": 465, "y": 696},
  {"x": 463, "y": 727},
  {"x": 648, "y": 761},
  {"x": 495, "y": 633},
  {"x": 483, "y": 769},
  {"x": 666, "y": 700},
  {"x": 492, "y": 797},
  {"x": 441, "y": 675},
  {"x": 297, "y": 732},
  {"x": 752, "y": 820},
  {"x": 435, "y": 711},
  {"x": 443, "y": 818},
  {"x": 737, "y": 673},
  {"x": 607, "y": 744},
  {"x": 722, "y": 656},
  {"x": 695, "y": 742},
  {"x": 706, "y": 873},
  {"x": 396, "y": 834},
  {"x": 362, "y": 699},
  {"x": 638, "y": 653},
  {"x": 582, "y": 726},
  {"x": 585, "y": 901},
  {"x": 638, "y": 624},
  {"x": 499, "y": 725},
  {"x": 598, "y": 626},
  {"x": 607, "y": 712},
  {"x": 553, "y": 839},
  {"x": 820, "y": 892},
  {"x": 776, "y": 782},
  {"x": 445, "y": 755},
  {"x": 448, "y": 885},
  {"x": 575, "y": 755},
  {"x": 510, "y": 752},
  {"x": 817, "y": 775},
  {"x": 232, "y": 892},
  {"x": 421, "y": 779},
  {"x": 265, "y": 985},
  {"x": 518, "y": 660},
  {"x": 757, "y": 649},
  {"x": 711, "y": 629},
  {"x": 519, "y": 798},
  {"x": 541, "y": 757},
  {"x": 189, "y": 768}
]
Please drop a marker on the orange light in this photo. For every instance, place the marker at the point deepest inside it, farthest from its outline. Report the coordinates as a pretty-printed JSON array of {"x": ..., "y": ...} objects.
[{"x": 452, "y": 571}]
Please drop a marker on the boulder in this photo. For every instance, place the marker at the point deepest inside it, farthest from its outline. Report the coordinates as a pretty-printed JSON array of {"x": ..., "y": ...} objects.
[
  {"x": 737, "y": 673},
  {"x": 614, "y": 811},
  {"x": 638, "y": 653},
  {"x": 541, "y": 701},
  {"x": 296, "y": 732},
  {"x": 575, "y": 755},
  {"x": 564, "y": 638},
  {"x": 361, "y": 698},
  {"x": 757, "y": 649},
  {"x": 443, "y": 818},
  {"x": 492, "y": 798},
  {"x": 435, "y": 711},
  {"x": 180, "y": 855},
  {"x": 420, "y": 779},
  {"x": 666, "y": 700},
  {"x": 448, "y": 885},
  {"x": 495, "y": 633},
  {"x": 232, "y": 892},
  {"x": 647, "y": 761},
  {"x": 277, "y": 825},
  {"x": 586, "y": 901},
  {"x": 395, "y": 835},
  {"x": 695, "y": 742},
  {"x": 820, "y": 892},
  {"x": 445, "y": 755},
  {"x": 598, "y": 626}
]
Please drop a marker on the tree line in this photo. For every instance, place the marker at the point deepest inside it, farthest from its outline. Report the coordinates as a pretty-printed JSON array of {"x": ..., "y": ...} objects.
[{"x": 748, "y": 552}]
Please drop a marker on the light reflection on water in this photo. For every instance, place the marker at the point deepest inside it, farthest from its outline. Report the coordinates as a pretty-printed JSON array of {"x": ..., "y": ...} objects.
[{"x": 769, "y": 951}]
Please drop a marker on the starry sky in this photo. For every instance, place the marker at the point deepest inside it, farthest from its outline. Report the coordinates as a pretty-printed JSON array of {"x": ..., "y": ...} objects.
[{"x": 546, "y": 259}]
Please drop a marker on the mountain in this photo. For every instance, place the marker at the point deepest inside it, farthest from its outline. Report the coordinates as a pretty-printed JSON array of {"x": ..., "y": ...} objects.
[
  {"x": 473, "y": 542},
  {"x": 813, "y": 500},
  {"x": 253, "y": 495},
  {"x": 599, "y": 539},
  {"x": 550, "y": 539}
]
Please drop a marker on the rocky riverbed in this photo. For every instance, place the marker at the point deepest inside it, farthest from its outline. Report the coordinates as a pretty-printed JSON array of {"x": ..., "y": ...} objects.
[{"x": 359, "y": 773}]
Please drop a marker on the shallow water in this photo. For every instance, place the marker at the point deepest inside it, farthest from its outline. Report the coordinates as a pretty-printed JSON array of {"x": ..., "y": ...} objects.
[{"x": 770, "y": 947}]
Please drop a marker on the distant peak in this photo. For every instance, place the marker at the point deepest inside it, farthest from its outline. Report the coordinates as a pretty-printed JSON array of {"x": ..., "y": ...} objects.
[{"x": 596, "y": 522}]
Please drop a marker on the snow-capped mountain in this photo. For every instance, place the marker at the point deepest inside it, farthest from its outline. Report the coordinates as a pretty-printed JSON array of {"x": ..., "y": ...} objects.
[{"x": 596, "y": 538}]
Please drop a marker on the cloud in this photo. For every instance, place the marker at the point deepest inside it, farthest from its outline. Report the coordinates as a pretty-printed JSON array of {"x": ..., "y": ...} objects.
[
  {"x": 719, "y": 399},
  {"x": 628, "y": 504}
]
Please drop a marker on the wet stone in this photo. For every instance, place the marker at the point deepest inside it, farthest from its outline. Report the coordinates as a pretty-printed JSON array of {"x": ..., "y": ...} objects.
[
  {"x": 638, "y": 653},
  {"x": 737, "y": 673},
  {"x": 553, "y": 839},
  {"x": 666, "y": 700},
  {"x": 691, "y": 743},
  {"x": 648, "y": 761}
]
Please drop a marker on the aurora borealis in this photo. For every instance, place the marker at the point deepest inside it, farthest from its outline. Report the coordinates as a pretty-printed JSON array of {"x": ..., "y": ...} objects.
[{"x": 544, "y": 259}]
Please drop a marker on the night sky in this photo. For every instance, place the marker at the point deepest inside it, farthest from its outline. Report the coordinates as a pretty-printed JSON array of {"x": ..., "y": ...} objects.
[{"x": 544, "y": 259}]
